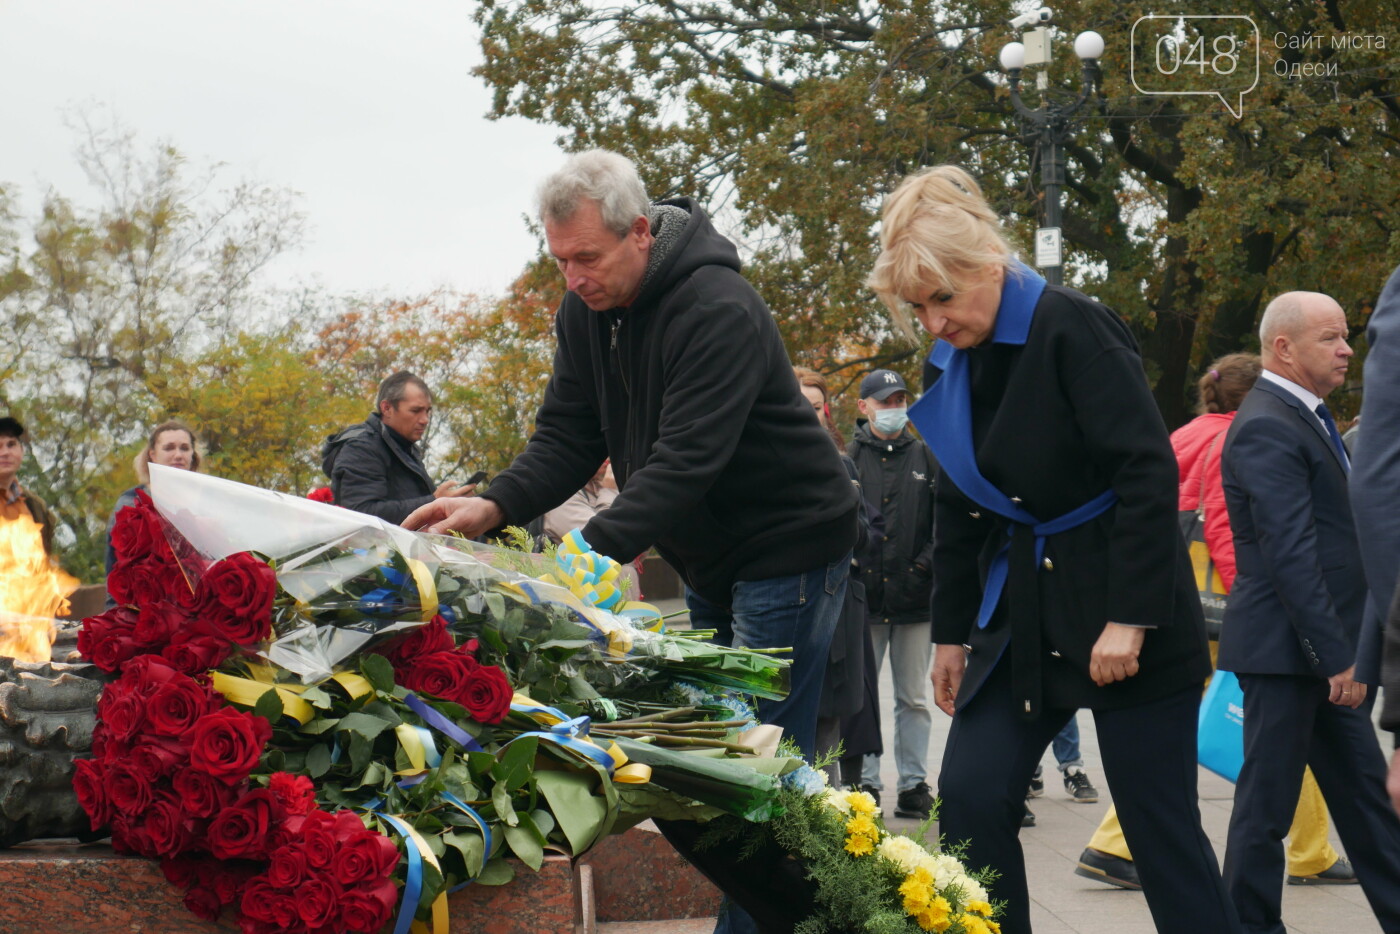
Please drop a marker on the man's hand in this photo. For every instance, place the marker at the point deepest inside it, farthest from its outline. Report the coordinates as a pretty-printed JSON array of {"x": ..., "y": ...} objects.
[
  {"x": 1115, "y": 654},
  {"x": 450, "y": 488},
  {"x": 1392, "y": 783},
  {"x": 949, "y": 663},
  {"x": 1344, "y": 691},
  {"x": 470, "y": 515}
]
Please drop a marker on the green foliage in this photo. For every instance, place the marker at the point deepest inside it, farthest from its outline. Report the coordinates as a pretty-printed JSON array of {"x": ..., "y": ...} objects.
[{"x": 792, "y": 121}]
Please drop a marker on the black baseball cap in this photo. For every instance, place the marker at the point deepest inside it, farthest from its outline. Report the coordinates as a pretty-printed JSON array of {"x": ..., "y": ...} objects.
[
  {"x": 10, "y": 427},
  {"x": 881, "y": 384}
]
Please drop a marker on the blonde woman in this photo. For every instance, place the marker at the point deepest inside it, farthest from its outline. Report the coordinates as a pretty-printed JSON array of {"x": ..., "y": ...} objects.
[
  {"x": 1061, "y": 578},
  {"x": 172, "y": 444}
]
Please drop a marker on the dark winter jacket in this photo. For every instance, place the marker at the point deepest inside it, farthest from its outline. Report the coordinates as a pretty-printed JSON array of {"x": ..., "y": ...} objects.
[
  {"x": 374, "y": 470},
  {"x": 720, "y": 461},
  {"x": 897, "y": 478}
]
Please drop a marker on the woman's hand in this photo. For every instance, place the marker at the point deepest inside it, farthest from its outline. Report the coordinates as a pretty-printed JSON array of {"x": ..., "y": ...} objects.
[
  {"x": 949, "y": 663},
  {"x": 1115, "y": 654}
]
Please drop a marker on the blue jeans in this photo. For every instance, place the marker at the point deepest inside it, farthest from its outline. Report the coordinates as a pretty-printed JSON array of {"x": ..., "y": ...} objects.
[
  {"x": 911, "y": 652},
  {"x": 1065, "y": 745},
  {"x": 798, "y": 612}
]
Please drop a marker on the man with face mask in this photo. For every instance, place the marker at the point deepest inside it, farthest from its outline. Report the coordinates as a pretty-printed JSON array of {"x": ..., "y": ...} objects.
[{"x": 897, "y": 472}]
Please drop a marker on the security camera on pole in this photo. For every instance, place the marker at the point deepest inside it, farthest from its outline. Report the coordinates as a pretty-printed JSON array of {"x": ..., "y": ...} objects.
[{"x": 1048, "y": 126}]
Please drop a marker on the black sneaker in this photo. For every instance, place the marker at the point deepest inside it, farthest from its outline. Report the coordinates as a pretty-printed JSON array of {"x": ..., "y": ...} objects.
[
  {"x": 1105, "y": 867},
  {"x": 1078, "y": 786},
  {"x": 914, "y": 802},
  {"x": 1028, "y": 818},
  {"x": 1037, "y": 787},
  {"x": 870, "y": 790},
  {"x": 1339, "y": 873}
]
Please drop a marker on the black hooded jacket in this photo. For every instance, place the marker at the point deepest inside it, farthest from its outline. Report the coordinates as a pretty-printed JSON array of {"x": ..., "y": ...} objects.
[
  {"x": 720, "y": 461},
  {"x": 374, "y": 470},
  {"x": 897, "y": 478}
]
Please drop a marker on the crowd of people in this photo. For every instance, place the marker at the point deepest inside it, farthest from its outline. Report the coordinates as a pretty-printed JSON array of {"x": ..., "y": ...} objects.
[{"x": 1017, "y": 560}]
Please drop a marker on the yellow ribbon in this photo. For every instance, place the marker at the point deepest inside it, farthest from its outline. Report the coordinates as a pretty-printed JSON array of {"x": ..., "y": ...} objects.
[
  {"x": 427, "y": 590},
  {"x": 356, "y": 685},
  {"x": 634, "y": 774},
  {"x": 246, "y": 691}
]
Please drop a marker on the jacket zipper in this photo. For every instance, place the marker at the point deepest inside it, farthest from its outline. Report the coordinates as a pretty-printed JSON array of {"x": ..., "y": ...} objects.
[{"x": 622, "y": 375}]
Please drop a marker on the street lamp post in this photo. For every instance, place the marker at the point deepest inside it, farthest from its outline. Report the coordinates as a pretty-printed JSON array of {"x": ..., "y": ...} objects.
[{"x": 1049, "y": 126}]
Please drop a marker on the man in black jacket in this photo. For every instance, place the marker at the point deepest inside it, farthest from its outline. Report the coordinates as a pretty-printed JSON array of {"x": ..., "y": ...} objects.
[
  {"x": 375, "y": 466},
  {"x": 897, "y": 474},
  {"x": 669, "y": 363}
]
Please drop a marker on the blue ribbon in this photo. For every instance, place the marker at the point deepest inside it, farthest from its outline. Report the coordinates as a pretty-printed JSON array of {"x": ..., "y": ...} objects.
[
  {"x": 944, "y": 418},
  {"x": 443, "y": 725},
  {"x": 566, "y": 734},
  {"x": 480, "y": 823},
  {"x": 413, "y": 885}
]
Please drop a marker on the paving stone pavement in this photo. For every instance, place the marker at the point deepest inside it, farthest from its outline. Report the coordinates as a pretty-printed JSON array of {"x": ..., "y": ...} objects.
[{"x": 1063, "y": 903}]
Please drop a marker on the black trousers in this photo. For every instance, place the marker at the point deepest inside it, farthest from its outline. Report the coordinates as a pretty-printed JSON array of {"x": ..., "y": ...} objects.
[
  {"x": 1149, "y": 758},
  {"x": 1288, "y": 722}
]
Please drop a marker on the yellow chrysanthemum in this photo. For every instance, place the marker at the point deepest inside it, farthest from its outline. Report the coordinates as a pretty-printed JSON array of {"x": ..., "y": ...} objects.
[
  {"x": 994, "y": 927},
  {"x": 862, "y": 803},
  {"x": 978, "y": 908},
  {"x": 937, "y": 916},
  {"x": 922, "y": 874},
  {"x": 917, "y": 895},
  {"x": 858, "y": 844},
  {"x": 864, "y": 826},
  {"x": 972, "y": 924}
]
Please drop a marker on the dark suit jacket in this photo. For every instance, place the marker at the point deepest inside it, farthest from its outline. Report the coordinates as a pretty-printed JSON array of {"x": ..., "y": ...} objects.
[
  {"x": 373, "y": 472},
  {"x": 1375, "y": 480},
  {"x": 1296, "y": 605},
  {"x": 1056, "y": 422}
]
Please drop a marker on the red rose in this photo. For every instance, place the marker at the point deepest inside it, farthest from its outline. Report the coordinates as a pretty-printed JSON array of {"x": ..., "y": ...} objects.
[
  {"x": 487, "y": 694},
  {"x": 287, "y": 867},
  {"x": 158, "y": 622},
  {"x": 368, "y": 857},
  {"x": 181, "y": 871},
  {"x": 405, "y": 650},
  {"x": 122, "y": 717},
  {"x": 295, "y": 793},
  {"x": 132, "y": 537},
  {"x": 167, "y": 830},
  {"x": 235, "y": 599},
  {"x": 197, "y": 654},
  {"x": 441, "y": 674},
  {"x": 177, "y": 705},
  {"x": 240, "y": 830},
  {"x": 157, "y": 756},
  {"x": 366, "y": 909},
  {"x": 227, "y": 743},
  {"x": 257, "y": 902},
  {"x": 203, "y": 902},
  {"x": 89, "y": 786},
  {"x": 318, "y": 839},
  {"x": 121, "y": 581},
  {"x": 317, "y": 900},
  {"x": 203, "y": 795},
  {"x": 128, "y": 790},
  {"x": 106, "y": 639}
]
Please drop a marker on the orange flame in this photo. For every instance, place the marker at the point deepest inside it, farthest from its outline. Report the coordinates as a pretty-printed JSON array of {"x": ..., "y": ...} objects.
[{"x": 33, "y": 590}]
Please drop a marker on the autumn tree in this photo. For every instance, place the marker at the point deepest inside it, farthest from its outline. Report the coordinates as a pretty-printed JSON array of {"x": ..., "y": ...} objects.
[
  {"x": 100, "y": 301},
  {"x": 791, "y": 121}
]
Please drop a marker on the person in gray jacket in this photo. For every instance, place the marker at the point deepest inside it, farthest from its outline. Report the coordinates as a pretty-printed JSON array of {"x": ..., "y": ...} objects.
[
  {"x": 375, "y": 467},
  {"x": 897, "y": 473}
]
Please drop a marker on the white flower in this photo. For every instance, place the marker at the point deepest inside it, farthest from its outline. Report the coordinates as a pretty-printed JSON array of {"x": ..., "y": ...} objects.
[
  {"x": 904, "y": 852},
  {"x": 835, "y": 798}
]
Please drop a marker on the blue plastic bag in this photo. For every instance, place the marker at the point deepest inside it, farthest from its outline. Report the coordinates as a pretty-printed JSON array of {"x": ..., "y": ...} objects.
[{"x": 1220, "y": 729}]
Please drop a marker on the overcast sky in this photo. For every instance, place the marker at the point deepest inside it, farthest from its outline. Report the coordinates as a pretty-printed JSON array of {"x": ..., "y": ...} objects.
[{"x": 367, "y": 109}]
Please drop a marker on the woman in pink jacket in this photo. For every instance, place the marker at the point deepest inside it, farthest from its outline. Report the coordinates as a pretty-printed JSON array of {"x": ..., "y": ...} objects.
[{"x": 1198, "y": 444}]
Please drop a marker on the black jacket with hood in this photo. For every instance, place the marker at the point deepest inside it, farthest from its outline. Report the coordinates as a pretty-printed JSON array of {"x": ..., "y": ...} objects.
[
  {"x": 897, "y": 478},
  {"x": 719, "y": 459},
  {"x": 375, "y": 470}
]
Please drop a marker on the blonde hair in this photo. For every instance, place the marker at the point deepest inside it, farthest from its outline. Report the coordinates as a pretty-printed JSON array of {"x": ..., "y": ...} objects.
[
  {"x": 142, "y": 463},
  {"x": 936, "y": 230}
]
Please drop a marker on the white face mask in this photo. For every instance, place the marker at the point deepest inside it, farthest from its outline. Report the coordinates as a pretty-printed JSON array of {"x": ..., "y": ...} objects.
[{"x": 890, "y": 421}]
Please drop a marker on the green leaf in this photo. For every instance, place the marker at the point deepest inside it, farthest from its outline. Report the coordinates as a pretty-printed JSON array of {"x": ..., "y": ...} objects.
[
  {"x": 318, "y": 761},
  {"x": 526, "y": 841},
  {"x": 516, "y": 762},
  {"x": 497, "y": 872},
  {"x": 471, "y": 846},
  {"x": 269, "y": 706},
  {"x": 320, "y": 725},
  {"x": 544, "y": 821},
  {"x": 317, "y": 698},
  {"x": 580, "y": 813},
  {"x": 363, "y": 724},
  {"x": 500, "y": 799},
  {"x": 378, "y": 671}
]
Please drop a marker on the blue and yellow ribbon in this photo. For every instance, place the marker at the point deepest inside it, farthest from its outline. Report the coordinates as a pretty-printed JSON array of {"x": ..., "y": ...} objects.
[{"x": 571, "y": 733}]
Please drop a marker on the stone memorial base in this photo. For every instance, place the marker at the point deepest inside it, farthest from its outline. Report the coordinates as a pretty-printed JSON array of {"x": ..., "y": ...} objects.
[{"x": 55, "y": 888}]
